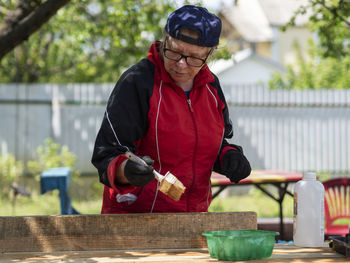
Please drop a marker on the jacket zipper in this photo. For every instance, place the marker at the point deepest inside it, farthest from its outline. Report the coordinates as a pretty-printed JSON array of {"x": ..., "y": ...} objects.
[
  {"x": 190, "y": 106},
  {"x": 194, "y": 152}
]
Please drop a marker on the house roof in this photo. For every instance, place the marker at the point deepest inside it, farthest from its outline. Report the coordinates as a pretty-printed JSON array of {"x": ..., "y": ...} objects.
[
  {"x": 254, "y": 19},
  {"x": 249, "y": 20},
  {"x": 278, "y": 12},
  {"x": 222, "y": 65}
]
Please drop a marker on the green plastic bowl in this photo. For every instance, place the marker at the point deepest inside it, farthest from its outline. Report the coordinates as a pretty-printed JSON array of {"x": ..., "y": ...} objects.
[{"x": 241, "y": 244}]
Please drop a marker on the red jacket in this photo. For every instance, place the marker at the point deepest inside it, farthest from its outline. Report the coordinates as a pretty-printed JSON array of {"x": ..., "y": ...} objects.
[{"x": 149, "y": 114}]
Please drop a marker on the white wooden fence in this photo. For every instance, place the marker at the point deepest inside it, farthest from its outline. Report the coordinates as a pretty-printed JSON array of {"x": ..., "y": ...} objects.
[
  {"x": 292, "y": 130},
  {"x": 288, "y": 130}
]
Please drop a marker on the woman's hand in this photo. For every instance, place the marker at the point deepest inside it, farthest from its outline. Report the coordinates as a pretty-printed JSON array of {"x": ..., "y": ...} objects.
[
  {"x": 235, "y": 166},
  {"x": 139, "y": 174}
]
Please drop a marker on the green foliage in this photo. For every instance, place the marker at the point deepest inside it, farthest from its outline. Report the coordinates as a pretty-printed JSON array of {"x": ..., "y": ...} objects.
[
  {"x": 323, "y": 176},
  {"x": 342, "y": 221},
  {"x": 51, "y": 155},
  {"x": 10, "y": 170},
  {"x": 316, "y": 73},
  {"x": 222, "y": 51},
  {"x": 329, "y": 64},
  {"x": 330, "y": 19},
  {"x": 88, "y": 41}
]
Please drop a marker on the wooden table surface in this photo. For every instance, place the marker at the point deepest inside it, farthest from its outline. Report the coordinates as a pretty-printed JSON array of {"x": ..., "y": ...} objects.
[{"x": 281, "y": 253}]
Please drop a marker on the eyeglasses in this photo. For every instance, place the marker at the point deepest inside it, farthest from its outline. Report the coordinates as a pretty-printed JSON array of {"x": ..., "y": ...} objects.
[{"x": 190, "y": 60}]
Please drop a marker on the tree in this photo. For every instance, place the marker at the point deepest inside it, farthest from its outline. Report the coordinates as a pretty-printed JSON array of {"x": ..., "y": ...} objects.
[
  {"x": 331, "y": 20},
  {"x": 21, "y": 20},
  {"x": 315, "y": 73},
  {"x": 329, "y": 62},
  {"x": 88, "y": 41}
]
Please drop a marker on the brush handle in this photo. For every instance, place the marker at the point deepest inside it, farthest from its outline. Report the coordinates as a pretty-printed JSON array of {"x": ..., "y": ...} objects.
[
  {"x": 158, "y": 176},
  {"x": 133, "y": 157}
]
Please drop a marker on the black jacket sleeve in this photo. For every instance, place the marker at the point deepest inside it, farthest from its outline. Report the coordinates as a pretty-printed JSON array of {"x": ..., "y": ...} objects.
[
  {"x": 125, "y": 118},
  {"x": 228, "y": 134}
]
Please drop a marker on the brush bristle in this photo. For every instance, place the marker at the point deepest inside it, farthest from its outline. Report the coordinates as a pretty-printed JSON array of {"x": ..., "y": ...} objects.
[{"x": 172, "y": 187}]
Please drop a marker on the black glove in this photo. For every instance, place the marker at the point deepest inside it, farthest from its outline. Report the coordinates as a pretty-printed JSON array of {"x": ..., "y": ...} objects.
[
  {"x": 235, "y": 166},
  {"x": 138, "y": 174}
]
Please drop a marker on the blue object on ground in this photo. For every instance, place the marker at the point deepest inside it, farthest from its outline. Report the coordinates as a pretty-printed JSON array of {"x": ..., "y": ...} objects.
[
  {"x": 284, "y": 242},
  {"x": 58, "y": 178}
]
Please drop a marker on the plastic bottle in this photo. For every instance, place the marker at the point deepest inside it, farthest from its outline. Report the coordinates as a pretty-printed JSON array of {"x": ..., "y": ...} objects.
[{"x": 308, "y": 224}]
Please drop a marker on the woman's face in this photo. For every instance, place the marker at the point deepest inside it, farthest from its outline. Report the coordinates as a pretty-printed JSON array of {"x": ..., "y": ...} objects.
[{"x": 180, "y": 71}]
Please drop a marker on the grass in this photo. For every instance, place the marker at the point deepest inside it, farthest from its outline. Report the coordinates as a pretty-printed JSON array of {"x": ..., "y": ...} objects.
[
  {"x": 47, "y": 204},
  {"x": 86, "y": 193},
  {"x": 87, "y": 199},
  {"x": 254, "y": 200}
]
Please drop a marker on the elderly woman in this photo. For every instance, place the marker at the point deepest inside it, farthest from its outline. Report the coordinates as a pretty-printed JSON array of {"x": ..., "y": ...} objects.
[{"x": 170, "y": 110}]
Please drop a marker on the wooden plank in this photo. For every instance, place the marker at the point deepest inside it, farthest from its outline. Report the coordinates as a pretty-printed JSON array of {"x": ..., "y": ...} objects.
[
  {"x": 281, "y": 253},
  {"x": 120, "y": 231}
]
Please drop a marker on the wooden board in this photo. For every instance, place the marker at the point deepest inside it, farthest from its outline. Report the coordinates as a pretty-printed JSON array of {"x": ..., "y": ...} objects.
[
  {"x": 122, "y": 231},
  {"x": 282, "y": 253}
]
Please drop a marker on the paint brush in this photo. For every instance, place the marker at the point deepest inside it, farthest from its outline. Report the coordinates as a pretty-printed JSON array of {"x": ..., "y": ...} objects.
[{"x": 168, "y": 183}]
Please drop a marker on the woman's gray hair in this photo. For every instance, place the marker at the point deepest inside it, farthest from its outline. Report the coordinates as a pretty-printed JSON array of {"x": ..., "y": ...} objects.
[{"x": 162, "y": 42}]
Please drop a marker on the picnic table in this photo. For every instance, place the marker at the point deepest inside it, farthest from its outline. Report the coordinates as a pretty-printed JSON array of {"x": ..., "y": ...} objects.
[{"x": 278, "y": 179}]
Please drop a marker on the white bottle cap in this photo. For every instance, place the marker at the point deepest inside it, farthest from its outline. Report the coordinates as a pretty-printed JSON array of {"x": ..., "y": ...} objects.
[{"x": 309, "y": 176}]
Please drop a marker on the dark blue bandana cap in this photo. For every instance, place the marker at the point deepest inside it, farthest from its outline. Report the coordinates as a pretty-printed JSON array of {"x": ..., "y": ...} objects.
[{"x": 196, "y": 18}]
